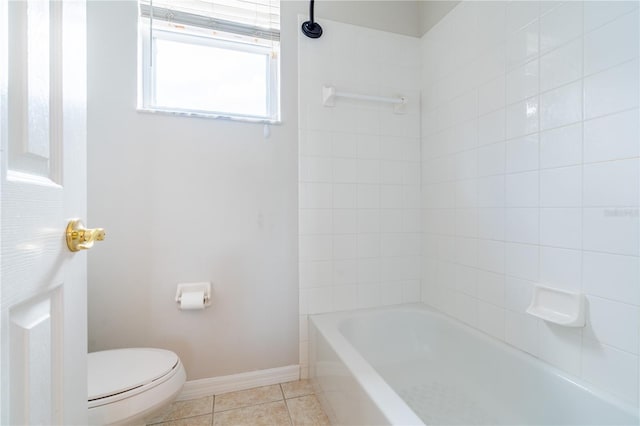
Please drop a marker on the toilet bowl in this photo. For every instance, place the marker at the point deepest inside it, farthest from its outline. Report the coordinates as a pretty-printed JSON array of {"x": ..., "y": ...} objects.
[{"x": 127, "y": 386}]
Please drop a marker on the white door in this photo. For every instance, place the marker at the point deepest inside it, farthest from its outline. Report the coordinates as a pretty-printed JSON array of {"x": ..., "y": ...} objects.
[{"x": 43, "y": 185}]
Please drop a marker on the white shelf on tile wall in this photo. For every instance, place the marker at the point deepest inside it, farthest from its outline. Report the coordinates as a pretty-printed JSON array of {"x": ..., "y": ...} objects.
[
  {"x": 329, "y": 95},
  {"x": 557, "y": 306}
]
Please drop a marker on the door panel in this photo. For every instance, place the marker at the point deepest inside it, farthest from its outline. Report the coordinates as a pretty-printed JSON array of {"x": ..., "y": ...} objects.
[{"x": 43, "y": 185}]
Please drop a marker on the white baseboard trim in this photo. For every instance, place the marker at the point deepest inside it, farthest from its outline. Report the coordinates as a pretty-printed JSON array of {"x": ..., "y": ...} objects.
[{"x": 234, "y": 382}]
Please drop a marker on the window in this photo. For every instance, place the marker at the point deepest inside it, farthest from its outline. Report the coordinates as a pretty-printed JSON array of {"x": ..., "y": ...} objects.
[{"x": 216, "y": 58}]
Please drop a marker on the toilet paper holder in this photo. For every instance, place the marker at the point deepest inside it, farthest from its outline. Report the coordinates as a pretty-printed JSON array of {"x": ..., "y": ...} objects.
[{"x": 204, "y": 287}]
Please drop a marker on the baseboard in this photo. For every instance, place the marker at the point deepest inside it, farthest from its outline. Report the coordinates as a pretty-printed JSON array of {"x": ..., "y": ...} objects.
[{"x": 234, "y": 382}]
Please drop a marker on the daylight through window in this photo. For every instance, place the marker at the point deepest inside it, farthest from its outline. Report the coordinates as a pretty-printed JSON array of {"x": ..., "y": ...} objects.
[{"x": 217, "y": 58}]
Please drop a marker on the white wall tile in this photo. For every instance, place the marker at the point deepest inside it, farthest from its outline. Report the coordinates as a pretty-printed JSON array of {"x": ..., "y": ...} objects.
[
  {"x": 344, "y": 246},
  {"x": 522, "y": 45},
  {"x": 561, "y": 147},
  {"x": 522, "y": 118},
  {"x": 522, "y": 225},
  {"x": 368, "y": 220},
  {"x": 612, "y": 276},
  {"x": 611, "y": 44},
  {"x": 315, "y": 247},
  {"x": 522, "y": 82},
  {"x": 466, "y": 222},
  {"x": 491, "y": 287},
  {"x": 522, "y": 261},
  {"x": 320, "y": 299},
  {"x": 491, "y": 223},
  {"x": 560, "y": 347},
  {"x": 368, "y": 245},
  {"x": 368, "y": 171},
  {"x": 561, "y": 66},
  {"x": 517, "y": 192},
  {"x": 613, "y": 90},
  {"x": 612, "y": 183},
  {"x": 561, "y": 227},
  {"x": 344, "y": 170},
  {"x": 357, "y": 158},
  {"x": 315, "y": 221},
  {"x": 315, "y": 169},
  {"x": 612, "y": 137},
  {"x": 466, "y": 279},
  {"x": 491, "y": 159},
  {"x": 466, "y": 251},
  {"x": 368, "y": 197},
  {"x": 368, "y": 147},
  {"x": 520, "y": 14},
  {"x": 561, "y": 187},
  {"x": 344, "y": 221},
  {"x": 315, "y": 273},
  {"x": 344, "y": 145},
  {"x": 315, "y": 195},
  {"x": 561, "y": 268},
  {"x": 522, "y": 154},
  {"x": 491, "y": 191},
  {"x": 345, "y": 272},
  {"x": 561, "y": 106},
  {"x": 610, "y": 369},
  {"x": 391, "y": 196},
  {"x": 411, "y": 292},
  {"x": 611, "y": 230},
  {"x": 560, "y": 25},
  {"x": 613, "y": 323},
  {"x": 597, "y": 13},
  {"x": 344, "y": 196},
  {"x": 522, "y": 189},
  {"x": 518, "y": 294},
  {"x": 345, "y": 297},
  {"x": 315, "y": 143},
  {"x": 491, "y": 95},
  {"x": 522, "y": 332},
  {"x": 491, "y": 255},
  {"x": 491, "y": 127}
]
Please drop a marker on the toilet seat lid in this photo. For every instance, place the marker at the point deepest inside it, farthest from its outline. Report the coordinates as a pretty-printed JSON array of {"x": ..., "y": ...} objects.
[{"x": 120, "y": 370}]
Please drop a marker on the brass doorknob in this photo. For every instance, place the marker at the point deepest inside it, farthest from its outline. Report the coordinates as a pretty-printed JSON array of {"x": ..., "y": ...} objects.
[{"x": 81, "y": 238}]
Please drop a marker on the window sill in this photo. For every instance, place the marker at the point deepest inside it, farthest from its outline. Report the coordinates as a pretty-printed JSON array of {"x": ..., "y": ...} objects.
[{"x": 209, "y": 116}]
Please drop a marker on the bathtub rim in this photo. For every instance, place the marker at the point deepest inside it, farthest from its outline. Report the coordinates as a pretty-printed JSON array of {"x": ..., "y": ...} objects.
[
  {"x": 329, "y": 326},
  {"x": 393, "y": 408}
]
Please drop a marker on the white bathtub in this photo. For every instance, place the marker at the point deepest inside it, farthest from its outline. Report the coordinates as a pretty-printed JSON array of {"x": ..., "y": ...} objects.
[{"x": 410, "y": 365}]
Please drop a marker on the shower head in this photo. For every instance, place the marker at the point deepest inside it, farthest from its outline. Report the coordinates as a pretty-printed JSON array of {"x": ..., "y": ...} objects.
[{"x": 310, "y": 28}]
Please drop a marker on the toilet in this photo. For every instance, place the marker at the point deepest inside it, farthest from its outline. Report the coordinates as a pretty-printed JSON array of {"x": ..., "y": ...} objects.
[{"x": 127, "y": 386}]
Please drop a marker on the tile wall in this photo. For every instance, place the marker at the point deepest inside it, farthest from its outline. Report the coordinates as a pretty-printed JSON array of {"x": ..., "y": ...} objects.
[
  {"x": 531, "y": 174},
  {"x": 359, "y": 176}
]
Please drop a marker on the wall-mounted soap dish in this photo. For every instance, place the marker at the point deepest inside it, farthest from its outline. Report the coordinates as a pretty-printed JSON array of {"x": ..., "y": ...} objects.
[{"x": 557, "y": 306}]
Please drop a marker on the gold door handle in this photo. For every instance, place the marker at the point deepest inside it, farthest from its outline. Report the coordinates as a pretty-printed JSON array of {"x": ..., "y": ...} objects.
[{"x": 81, "y": 238}]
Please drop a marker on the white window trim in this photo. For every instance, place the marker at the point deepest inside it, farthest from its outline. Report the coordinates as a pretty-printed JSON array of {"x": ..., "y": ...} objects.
[{"x": 195, "y": 35}]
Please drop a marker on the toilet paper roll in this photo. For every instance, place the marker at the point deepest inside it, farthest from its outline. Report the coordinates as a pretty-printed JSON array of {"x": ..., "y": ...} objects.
[{"x": 192, "y": 300}]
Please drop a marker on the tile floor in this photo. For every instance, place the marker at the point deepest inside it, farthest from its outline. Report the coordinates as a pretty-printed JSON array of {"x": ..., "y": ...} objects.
[{"x": 292, "y": 403}]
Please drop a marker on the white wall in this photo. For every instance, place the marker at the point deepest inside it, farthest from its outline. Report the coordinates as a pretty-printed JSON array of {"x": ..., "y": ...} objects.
[
  {"x": 359, "y": 196},
  {"x": 397, "y": 16},
  {"x": 531, "y": 175},
  {"x": 186, "y": 200},
  {"x": 432, "y": 11}
]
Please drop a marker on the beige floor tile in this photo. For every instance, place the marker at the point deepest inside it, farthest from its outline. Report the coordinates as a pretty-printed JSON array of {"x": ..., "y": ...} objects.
[
  {"x": 306, "y": 410},
  {"x": 269, "y": 414},
  {"x": 182, "y": 409},
  {"x": 205, "y": 420},
  {"x": 297, "y": 388},
  {"x": 245, "y": 398}
]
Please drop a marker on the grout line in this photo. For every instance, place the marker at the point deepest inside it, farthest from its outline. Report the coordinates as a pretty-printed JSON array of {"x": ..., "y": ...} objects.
[
  {"x": 286, "y": 405},
  {"x": 248, "y": 406}
]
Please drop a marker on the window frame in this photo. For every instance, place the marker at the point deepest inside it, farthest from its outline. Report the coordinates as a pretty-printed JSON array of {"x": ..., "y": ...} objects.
[{"x": 204, "y": 37}]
